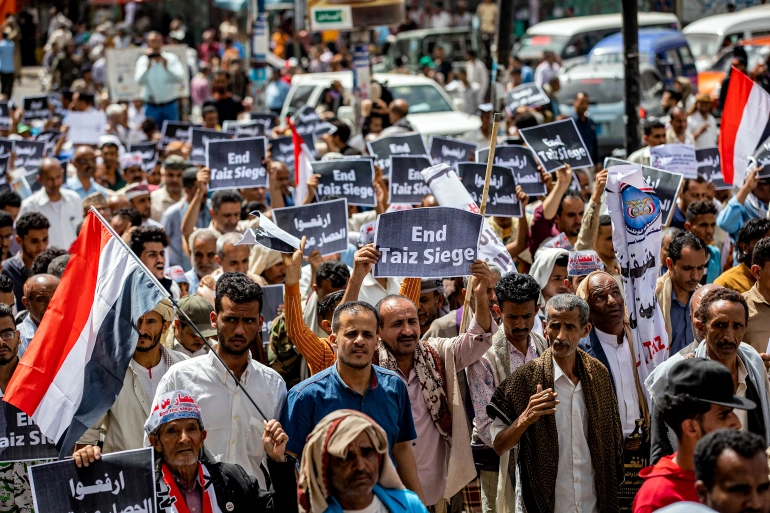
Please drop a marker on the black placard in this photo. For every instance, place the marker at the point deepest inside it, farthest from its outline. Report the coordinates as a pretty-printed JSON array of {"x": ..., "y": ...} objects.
[
  {"x": 450, "y": 151},
  {"x": 324, "y": 224},
  {"x": 117, "y": 483},
  {"x": 237, "y": 163},
  {"x": 36, "y": 107},
  {"x": 49, "y": 137},
  {"x": 175, "y": 131},
  {"x": 761, "y": 158},
  {"x": 523, "y": 164},
  {"x": 55, "y": 99},
  {"x": 282, "y": 149},
  {"x": 710, "y": 167},
  {"x": 29, "y": 153},
  {"x": 406, "y": 183},
  {"x": 526, "y": 95},
  {"x": 272, "y": 298},
  {"x": 149, "y": 151},
  {"x": 7, "y": 145},
  {"x": 501, "y": 199},
  {"x": 427, "y": 242},
  {"x": 556, "y": 144},
  {"x": 260, "y": 124},
  {"x": 407, "y": 144},
  {"x": 347, "y": 178},
  {"x": 307, "y": 121},
  {"x": 20, "y": 438},
  {"x": 5, "y": 116},
  {"x": 198, "y": 139}
]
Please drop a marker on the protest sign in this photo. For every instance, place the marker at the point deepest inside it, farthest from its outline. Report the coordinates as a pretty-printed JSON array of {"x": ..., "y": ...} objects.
[
  {"x": 7, "y": 145},
  {"x": 710, "y": 167},
  {"x": 272, "y": 298},
  {"x": 556, "y": 144},
  {"x": 29, "y": 153},
  {"x": 501, "y": 199},
  {"x": 407, "y": 144},
  {"x": 120, "y": 66},
  {"x": 85, "y": 127},
  {"x": 174, "y": 131},
  {"x": 583, "y": 263},
  {"x": 449, "y": 151},
  {"x": 521, "y": 160},
  {"x": 55, "y": 99},
  {"x": 236, "y": 163},
  {"x": 5, "y": 162},
  {"x": 35, "y": 107},
  {"x": 406, "y": 183},
  {"x": 282, "y": 149},
  {"x": 558, "y": 241},
  {"x": 119, "y": 482},
  {"x": 665, "y": 184},
  {"x": 676, "y": 158},
  {"x": 761, "y": 158},
  {"x": 31, "y": 178},
  {"x": 267, "y": 234},
  {"x": 427, "y": 242},
  {"x": 325, "y": 225},
  {"x": 149, "y": 151},
  {"x": 526, "y": 95},
  {"x": 259, "y": 124},
  {"x": 348, "y": 178},
  {"x": 20, "y": 438},
  {"x": 366, "y": 233},
  {"x": 5, "y": 116},
  {"x": 49, "y": 137},
  {"x": 199, "y": 137},
  {"x": 307, "y": 121}
]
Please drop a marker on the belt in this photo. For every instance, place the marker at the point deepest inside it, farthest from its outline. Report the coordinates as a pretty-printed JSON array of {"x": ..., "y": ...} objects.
[{"x": 162, "y": 104}]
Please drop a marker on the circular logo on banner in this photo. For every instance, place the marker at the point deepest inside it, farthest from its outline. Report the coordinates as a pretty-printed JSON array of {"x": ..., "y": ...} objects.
[
  {"x": 640, "y": 209},
  {"x": 229, "y": 506}
]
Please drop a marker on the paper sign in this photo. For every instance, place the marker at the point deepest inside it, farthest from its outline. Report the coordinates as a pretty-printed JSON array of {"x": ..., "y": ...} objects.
[
  {"x": 676, "y": 158},
  {"x": 259, "y": 124},
  {"x": 523, "y": 163},
  {"x": 118, "y": 482},
  {"x": 366, "y": 234},
  {"x": 272, "y": 298},
  {"x": 175, "y": 131},
  {"x": 324, "y": 224},
  {"x": 5, "y": 162},
  {"x": 307, "y": 121},
  {"x": 5, "y": 116},
  {"x": 407, "y": 144},
  {"x": 282, "y": 149},
  {"x": 559, "y": 241},
  {"x": 449, "y": 151},
  {"x": 583, "y": 263},
  {"x": 427, "y": 242},
  {"x": 269, "y": 235},
  {"x": 85, "y": 127},
  {"x": 406, "y": 183},
  {"x": 347, "y": 178},
  {"x": 20, "y": 438},
  {"x": 710, "y": 167},
  {"x": 55, "y": 99},
  {"x": 556, "y": 144},
  {"x": 501, "y": 199},
  {"x": 149, "y": 151},
  {"x": 29, "y": 153},
  {"x": 526, "y": 95},
  {"x": 35, "y": 107},
  {"x": 361, "y": 71},
  {"x": 237, "y": 163},
  {"x": 199, "y": 137}
]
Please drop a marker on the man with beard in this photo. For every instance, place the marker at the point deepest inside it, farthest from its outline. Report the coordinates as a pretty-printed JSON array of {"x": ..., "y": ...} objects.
[
  {"x": 203, "y": 246},
  {"x": 32, "y": 237},
  {"x": 84, "y": 162},
  {"x": 233, "y": 424},
  {"x": 431, "y": 302},
  {"x": 561, "y": 211},
  {"x": 38, "y": 292},
  {"x": 121, "y": 426},
  {"x": 109, "y": 146},
  {"x": 171, "y": 191}
]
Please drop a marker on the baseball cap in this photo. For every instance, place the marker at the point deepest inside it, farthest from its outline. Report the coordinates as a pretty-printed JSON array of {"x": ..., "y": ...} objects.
[
  {"x": 174, "y": 405},
  {"x": 706, "y": 381},
  {"x": 431, "y": 284},
  {"x": 198, "y": 309}
]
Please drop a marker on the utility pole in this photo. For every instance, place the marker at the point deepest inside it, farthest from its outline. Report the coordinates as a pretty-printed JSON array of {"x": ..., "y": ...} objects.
[
  {"x": 629, "y": 12},
  {"x": 504, "y": 29}
]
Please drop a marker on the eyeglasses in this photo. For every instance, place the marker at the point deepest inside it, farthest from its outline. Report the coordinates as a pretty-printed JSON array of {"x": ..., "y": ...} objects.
[{"x": 8, "y": 334}]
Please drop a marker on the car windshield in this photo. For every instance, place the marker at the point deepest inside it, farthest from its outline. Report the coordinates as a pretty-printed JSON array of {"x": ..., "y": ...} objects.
[
  {"x": 540, "y": 43},
  {"x": 599, "y": 90},
  {"x": 703, "y": 46},
  {"x": 614, "y": 58},
  {"x": 724, "y": 60},
  {"x": 421, "y": 98}
]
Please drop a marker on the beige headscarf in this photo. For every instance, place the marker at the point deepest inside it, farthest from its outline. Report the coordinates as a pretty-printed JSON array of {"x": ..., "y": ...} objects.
[
  {"x": 332, "y": 436},
  {"x": 166, "y": 310},
  {"x": 262, "y": 258}
]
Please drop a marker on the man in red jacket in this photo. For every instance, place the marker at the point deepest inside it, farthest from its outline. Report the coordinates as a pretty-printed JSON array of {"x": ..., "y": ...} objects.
[{"x": 698, "y": 400}]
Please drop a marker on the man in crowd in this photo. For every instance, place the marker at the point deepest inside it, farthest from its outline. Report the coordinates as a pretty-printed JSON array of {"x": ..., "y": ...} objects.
[
  {"x": 132, "y": 168},
  {"x": 186, "y": 338},
  {"x": 758, "y": 328},
  {"x": 138, "y": 196},
  {"x": 203, "y": 247},
  {"x": 232, "y": 258},
  {"x": 693, "y": 189},
  {"x": 6, "y": 293},
  {"x": 702, "y": 222},
  {"x": 63, "y": 208},
  {"x": 338, "y": 140},
  {"x": 6, "y": 234},
  {"x": 740, "y": 277},
  {"x": 702, "y": 124},
  {"x": 550, "y": 272},
  {"x": 547, "y": 69},
  {"x": 654, "y": 135},
  {"x": 586, "y": 126},
  {"x": 397, "y": 111},
  {"x": 159, "y": 73},
  {"x": 83, "y": 183},
  {"x": 171, "y": 190},
  {"x": 149, "y": 244},
  {"x": 561, "y": 211},
  {"x": 677, "y": 132},
  {"x": 228, "y": 106},
  {"x": 32, "y": 237},
  {"x": 38, "y": 291},
  {"x": 750, "y": 202},
  {"x": 172, "y": 217},
  {"x": 225, "y": 208}
]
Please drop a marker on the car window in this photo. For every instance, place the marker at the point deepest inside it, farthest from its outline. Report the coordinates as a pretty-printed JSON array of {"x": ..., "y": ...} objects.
[
  {"x": 651, "y": 84},
  {"x": 421, "y": 98},
  {"x": 733, "y": 38},
  {"x": 672, "y": 56},
  {"x": 301, "y": 96},
  {"x": 688, "y": 63},
  {"x": 599, "y": 90},
  {"x": 703, "y": 46}
]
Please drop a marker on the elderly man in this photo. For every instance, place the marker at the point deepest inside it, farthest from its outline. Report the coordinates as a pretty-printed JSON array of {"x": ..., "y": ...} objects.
[
  {"x": 159, "y": 73},
  {"x": 38, "y": 291},
  {"x": 84, "y": 162},
  {"x": 397, "y": 112},
  {"x": 677, "y": 131},
  {"x": 346, "y": 467},
  {"x": 585, "y": 472},
  {"x": 231, "y": 257},
  {"x": 132, "y": 168},
  {"x": 172, "y": 217},
  {"x": 192, "y": 481},
  {"x": 171, "y": 191},
  {"x": 203, "y": 246}
]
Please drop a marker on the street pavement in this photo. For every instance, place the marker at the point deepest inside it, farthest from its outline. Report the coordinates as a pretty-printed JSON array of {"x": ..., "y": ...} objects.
[{"x": 30, "y": 84}]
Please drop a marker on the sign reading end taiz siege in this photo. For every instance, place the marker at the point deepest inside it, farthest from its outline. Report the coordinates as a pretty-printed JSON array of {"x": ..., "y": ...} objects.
[
  {"x": 427, "y": 242},
  {"x": 523, "y": 164},
  {"x": 406, "y": 144},
  {"x": 348, "y": 178},
  {"x": 237, "y": 163},
  {"x": 556, "y": 144},
  {"x": 20, "y": 438},
  {"x": 501, "y": 197},
  {"x": 406, "y": 182}
]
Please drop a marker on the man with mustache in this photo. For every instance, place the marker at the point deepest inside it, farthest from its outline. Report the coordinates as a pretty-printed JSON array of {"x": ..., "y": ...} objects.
[
  {"x": 171, "y": 220},
  {"x": 84, "y": 162},
  {"x": 121, "y": 426},
  {"x": 38, "y": 292},
  {"x": 203, "y": 246}
]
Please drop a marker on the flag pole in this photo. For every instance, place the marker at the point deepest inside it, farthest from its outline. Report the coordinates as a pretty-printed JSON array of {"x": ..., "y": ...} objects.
[
  {"x": 482, "y": 210},
  {"x": 176, "y": 306}
]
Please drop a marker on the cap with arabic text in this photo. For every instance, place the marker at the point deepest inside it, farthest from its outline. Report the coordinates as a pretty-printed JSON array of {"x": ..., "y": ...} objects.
[{"x": 174, "y": 405}]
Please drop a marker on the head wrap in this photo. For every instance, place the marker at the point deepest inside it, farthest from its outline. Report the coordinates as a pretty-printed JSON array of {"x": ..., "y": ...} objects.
[
  {"x": 174, "y": 405},
  {"x": 166, "y": 310},
  {"x": 542, "y": 267},
  {"x": 582, "y": 289},
  {"x": 262, "y": 258},
  {"x": 131, "y": 160},
  {"x": 136, "y": 190},
  {"x": 331, "y": 437}
]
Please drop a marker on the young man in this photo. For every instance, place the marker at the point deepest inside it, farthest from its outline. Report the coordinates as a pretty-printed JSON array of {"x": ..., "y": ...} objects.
[
  {"x": 149, "y": 244},
  {"x": 171, "y": 220},
  {"x": 138, "y": 196},
  {"x": 32, "y": 237},
  {"x": 750, "y": 202},
  {"x": 654, "y": 135},
  {"x": 740, "y": 277},
  {"x": 561, "y": 211},
  {"x": 171, "y": 190},
  {"x": 702, "y": 222},
  {"x": 693, "y": 189},
  {"x": 758, "y": 328},
  {"x": 550, "y": 272}
]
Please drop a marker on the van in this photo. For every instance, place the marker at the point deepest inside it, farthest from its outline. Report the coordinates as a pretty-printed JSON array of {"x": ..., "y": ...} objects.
[
  {"x": 572, "y": 38},
  {"x": 665, "y": 50},
  {"x": 709, "y": 35},
  {"x": 415, "y": 44}
]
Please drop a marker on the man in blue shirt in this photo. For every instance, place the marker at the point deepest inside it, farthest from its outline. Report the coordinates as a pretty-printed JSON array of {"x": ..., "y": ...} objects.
[
  {"x": 172, "y": 221},
  {"x": 527, "y": 73},
  {"x": 84, "y": 162},
  {"x": 586, "y": 126},
  {"x": 353, "y": 383},
  {"x": 749, "y": 203},
  {"x": 7, "y": 66},
  {"x": 693, "y": 189},
  {"x": 276, "y": 92}
]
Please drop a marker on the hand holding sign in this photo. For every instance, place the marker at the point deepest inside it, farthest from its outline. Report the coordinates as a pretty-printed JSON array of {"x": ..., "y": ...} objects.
[{"x": 364, "y": 259}]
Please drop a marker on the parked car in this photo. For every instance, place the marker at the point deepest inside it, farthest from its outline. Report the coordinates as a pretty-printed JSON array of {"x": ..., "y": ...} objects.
[
  {"x": 604, "y": 85},
  {"x": 665, "y": 50},
  {"x": 431, "y": 112},
  {"x": 415, "y": 44},
  {"x": 710, "y": 79}
]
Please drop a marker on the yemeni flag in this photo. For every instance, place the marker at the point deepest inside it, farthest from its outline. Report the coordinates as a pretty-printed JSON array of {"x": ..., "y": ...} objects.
[
  {"x": 745, "y": 125},
  {"x": 73, "y": 370},
  {"x": 302, "y": 168}
]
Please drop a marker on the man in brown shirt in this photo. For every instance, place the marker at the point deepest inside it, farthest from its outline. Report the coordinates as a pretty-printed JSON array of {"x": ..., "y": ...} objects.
[{"x": 758, "y": 329}]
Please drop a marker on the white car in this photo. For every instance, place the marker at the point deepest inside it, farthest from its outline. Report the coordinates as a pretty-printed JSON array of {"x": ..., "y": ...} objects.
[{"x": 431, "y": 112}]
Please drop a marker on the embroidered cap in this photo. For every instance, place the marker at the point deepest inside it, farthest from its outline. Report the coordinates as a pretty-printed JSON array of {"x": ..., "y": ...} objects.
[
  {"x": 174, "y": 405},
  {"x": 131, "y": 160}
]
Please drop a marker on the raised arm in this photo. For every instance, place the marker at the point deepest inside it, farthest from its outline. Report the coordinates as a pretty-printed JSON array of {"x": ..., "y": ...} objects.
[
  {"x": 191, "y": 215},
  {"x": 522, "y": 226},
  {"x": 552, "y": 201},
  {"x": 542, "y": 403},
  {"x": 589, "y": 228},
  {"x": 363, "y": 261}
]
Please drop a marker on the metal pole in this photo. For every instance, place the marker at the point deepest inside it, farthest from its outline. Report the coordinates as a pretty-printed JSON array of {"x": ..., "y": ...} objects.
[
  {"x": 504, "y": 30},
  {"x": 629, "y": 11}
]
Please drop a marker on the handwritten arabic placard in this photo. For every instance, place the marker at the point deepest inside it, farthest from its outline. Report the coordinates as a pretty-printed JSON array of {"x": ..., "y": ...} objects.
[
  {"x": 583, "y": 263},
  {"x": 259, "y": 124},
  {"x": 325, "y": 225},
  {"x": 174, "y": 131},
  {"x": 20, "y": 438},
  {"x": 348, "y": 178},
  {"x": 761, "y": 158},
  {"x": 120, "y": 482},
  {"x": 710, "y": 167},
  {"x": 556, "y": 144},
  {"x": 450, "y": 151},
  {"x": 282, "y": 149},
  {"x": 307, "y": 121},
  {"x": 272, "y": 298},
  {"x": 501, "y": 200},
  {"x": 676, "y": 158},
  {"x": 149, "y": 151},
  {"x": 558, "y": 241},
  {"x": 406, "y": 144},
  {"x": 526, "y": 95},
  {"x": 406, "y": 182},
  {"x": 29, "y": 153},
  {"x": 5, "y": 116},
  {"x": 35, "y": 107},
  {"x": 523, "y": 163},
  {"x": 199, "y": 137},
  {"x": 236, "y": 163}
]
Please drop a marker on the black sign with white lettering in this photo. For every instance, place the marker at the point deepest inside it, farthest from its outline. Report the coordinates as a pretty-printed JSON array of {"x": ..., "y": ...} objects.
[
  {"x": 449, "y": 151},
  {"x": 406, "y": 183},
  {"x": 55, "y": 99},
  {"x": 49, "y": 137},
  {"x": 29, "y": 153},
  {"x": 307, "y": 121},
  {"x": 260, "y": 124},
  {"x": 36, "y": 107},
  {"x": 523, "y": 163},
  {"x": 408, "y": 144},
  {"x": 501, "y": 199},
  {"x": 761, "y": 158},
  {"x": 324, "y": 224},
  {"x": 199, "y": 137},
  {"x": 665, "y": 184},
  {"x": 149, "y": 151},
  {"x": 7, "y": 145},
  {"x": 556, "y": 144},
  {"x": 272, "y": 298},
  {"x": 5, "y": 116},
  {"x": 526, "y": 95},
  {"x": 282, "y": 149},
  {"x": 20, "y": 438},
  {"x": 237, "y": 163},
  {"x": 347, "y": 178},
  {"x": 710, "y": 167},
  {"x": 427, "y": 242},
  {"x": 5, "y": 162},
  {"x": 175, "y": 131},
  {"x": 120, "y": 482}
]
